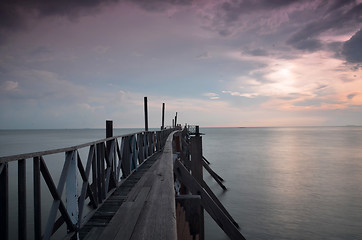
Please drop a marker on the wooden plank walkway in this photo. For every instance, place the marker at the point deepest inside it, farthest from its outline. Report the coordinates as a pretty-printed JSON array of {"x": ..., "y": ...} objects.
[
  {"x": 143, "y": 207},
  {"x": 109, "y": 208}
]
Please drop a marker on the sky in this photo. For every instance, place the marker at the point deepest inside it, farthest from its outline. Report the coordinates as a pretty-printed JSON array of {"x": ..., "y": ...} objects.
[{"x": 221, "y": 63}]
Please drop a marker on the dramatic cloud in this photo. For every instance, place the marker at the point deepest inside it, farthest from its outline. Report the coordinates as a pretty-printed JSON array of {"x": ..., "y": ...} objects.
[
  {"x": 216, "y": 63},
  {"x": 352, "y": 48},
  {"x": 335, "y": 16}
]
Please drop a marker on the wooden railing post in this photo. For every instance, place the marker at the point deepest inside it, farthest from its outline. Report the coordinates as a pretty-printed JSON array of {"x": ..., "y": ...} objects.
[
  {"x": 163, "y": 116},
  {"x": 109, "y": 133},
  {"x": 126, "y": 162},
  {"x": 196, "y": 170},
  {"x": 4, "y": 201},
  {"x": 146, "y": 114},
  {"x": 22, "y": 199},
  {"x": 37, "y": 198},
  {"x": 71, "y": 190},
  {"x": 141, "y": 153}
]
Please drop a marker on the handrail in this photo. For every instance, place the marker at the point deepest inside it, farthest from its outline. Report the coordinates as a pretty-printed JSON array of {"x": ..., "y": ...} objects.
[
  {"x": 60, "y": 150},
  {"x": 109, "y": 160}
]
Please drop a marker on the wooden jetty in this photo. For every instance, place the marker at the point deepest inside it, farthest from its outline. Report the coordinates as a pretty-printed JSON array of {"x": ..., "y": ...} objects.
[{"x": 145, "y": 185}]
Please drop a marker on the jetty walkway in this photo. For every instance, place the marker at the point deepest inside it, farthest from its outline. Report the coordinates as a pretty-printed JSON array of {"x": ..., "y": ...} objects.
[{"x": 143, "y": 185}]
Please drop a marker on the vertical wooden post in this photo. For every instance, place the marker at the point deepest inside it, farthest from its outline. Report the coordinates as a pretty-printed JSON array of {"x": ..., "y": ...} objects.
[
  {"x": 22, "y": 199},
  {"x": 109, "y": 133},
  {"x": 109, "y": 129},
  {"x": 146, "y": 114},
  {"x": 188, "y": 209},
  {"x": 163, "y": 116},
  {"x": 173, "y": 123},
  {"x": 37, "y": 198},
  {"x": 4, "y": 201},
  {"x": 71, "y": 189},
  {"x": 196, "y": 168},
  {"x": 126, "y": 160},
  {"x": 100, "y": 177},
  {"x": 176, "y": 120}
]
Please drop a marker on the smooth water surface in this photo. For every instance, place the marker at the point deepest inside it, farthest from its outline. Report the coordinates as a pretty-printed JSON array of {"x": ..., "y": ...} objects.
[
  {"x": 288, "y": 183},
  {"x": 283, "y": 183}
]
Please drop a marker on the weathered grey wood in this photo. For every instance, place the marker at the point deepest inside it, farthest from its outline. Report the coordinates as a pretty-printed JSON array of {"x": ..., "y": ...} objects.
[
  {"x": 207, "y": 202},
  {"x": 207, "y": 162},
  {"x": 59, "y": 150},
  {"x": 140, "y": 148},
  {"x": 4, "y": 201},
  {"x": 94, "y": 185},
  {"x": 123, "y": 223},
  {"x": 196, "y": 157},
  {"x": 94, "y": 233},
  {"x": 191, "y": 204},
  {"x": 119, "y": 166},
  {"x": 21, "y": 199},
  {"x": 37, "y": 198},
  {"x": 157, "y": 219},
  {"x": 214, "y": 175},
  {"x": 101, "y": 179},
  {"x": 163, "y": 116},
  {"x": 71, "y": 189},
  {"x": 126, "y": 161},
  {"x": 56, "y": 194},
  {"x": 196, "y": 170},
  {"x": 85, "y": 186},
  {"x": 146, "y": 114}
]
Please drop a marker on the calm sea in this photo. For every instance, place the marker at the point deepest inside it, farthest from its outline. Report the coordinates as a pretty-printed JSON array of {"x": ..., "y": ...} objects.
[{"x": 283, "y": 183}]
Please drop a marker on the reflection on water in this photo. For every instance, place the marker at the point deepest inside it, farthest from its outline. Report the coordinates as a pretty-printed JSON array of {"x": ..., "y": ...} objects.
[{"x": 289, "y": 183}]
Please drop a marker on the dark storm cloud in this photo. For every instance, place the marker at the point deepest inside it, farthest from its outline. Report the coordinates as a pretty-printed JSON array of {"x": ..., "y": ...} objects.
[
  {"x": 338, "y": 16},
  {"x": 159, "y": 5},
  {"x": 352, "y": 49},
  {"x": 308, "y": 44},
  {"x": 233, "y": 10},
  {"x": 12, "y": 12}
]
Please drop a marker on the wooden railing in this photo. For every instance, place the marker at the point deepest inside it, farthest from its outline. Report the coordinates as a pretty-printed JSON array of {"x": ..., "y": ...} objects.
[
  {"x": 193, "y": 195},
  {"x": 108, "y": 162}
]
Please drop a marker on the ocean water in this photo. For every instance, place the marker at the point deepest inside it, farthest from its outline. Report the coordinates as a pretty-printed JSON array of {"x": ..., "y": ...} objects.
[
  {"x": 288, "y": 183},
  {"x": 283, "y": 183}
]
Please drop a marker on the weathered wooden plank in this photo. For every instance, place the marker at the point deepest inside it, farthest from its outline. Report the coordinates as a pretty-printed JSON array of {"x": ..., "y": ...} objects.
[
  {"x": 71, "y": 189},
  {"x": 123, "y": 223},
  {"x": 94, "y": 233},
  {"x": 157, "y": 219},
  {"x": 209, "y": 164}
]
